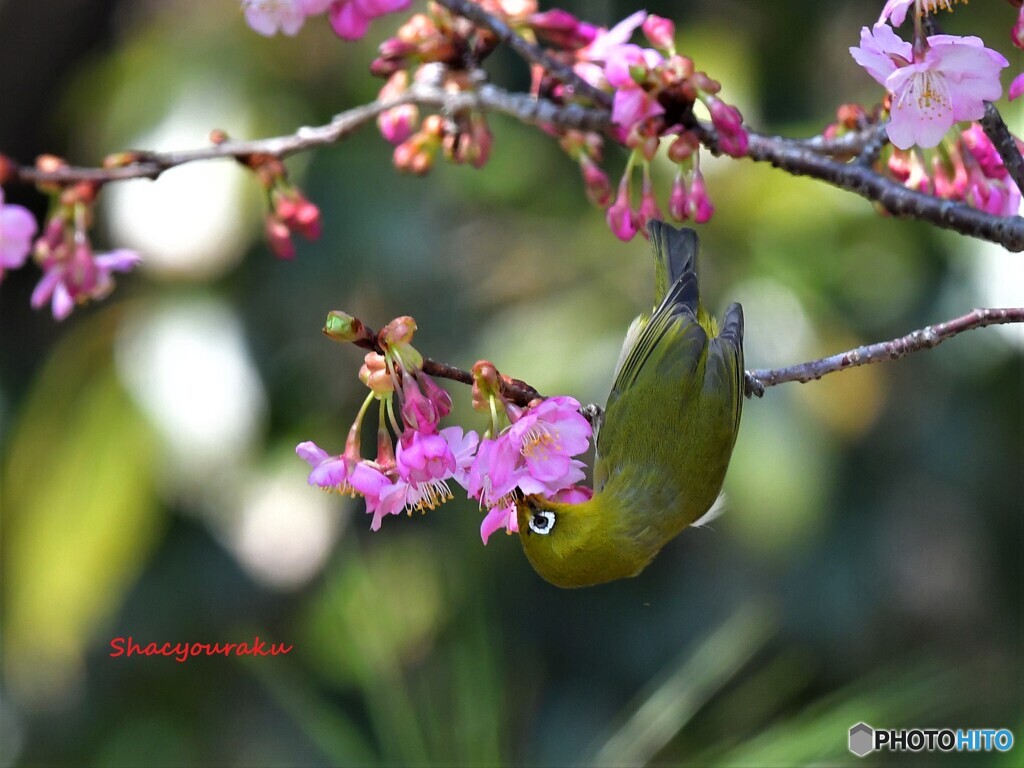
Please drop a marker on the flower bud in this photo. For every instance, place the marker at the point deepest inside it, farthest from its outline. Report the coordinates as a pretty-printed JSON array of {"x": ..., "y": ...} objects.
[
  {"x": 398, "y": 331},
  {"x": 486, "y": 385},
  {"x": 621, "y": 220},
  {"x": 699, "y": 203},
  {"x": 660, "y": 31},
  {"x": 342, "y": 327},
  {"x": 682, "y": 149},
  {"x": 595, "y": 181},
  {"x": 677, "y": 202},
  {"x": 279, "y": 237},
  {"x": 437, "y": 395},
  {"x": 375, "y": 375},
  {"x": 418, "y": 411}
]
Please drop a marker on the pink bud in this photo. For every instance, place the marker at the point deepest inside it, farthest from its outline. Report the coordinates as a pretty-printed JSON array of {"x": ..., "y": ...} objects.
[
  {"x": 700, "y": 206},
  {"x": 374, "y": 374},
  {"x": 399, "y": 331},
  {"x": 620, "y": 217},
  {"x": 440, "y": 398},
  {"x": 561, "y": 29},
  {"x": 732, "y": 138},
  {"x": 648, "y": 210},
  {"x": 307, "y": 220},
  {"x": 977, "y": 141},
  {"x": 417, "y": 410},
  {"x": 279, "y": 237},
  {"x": 1017, "y": 86},
  {"x": 595, "y": 181},
  {"x": 899, "y": 164},
  {"x": 677, "y": 202},
  {"x": 660, "y": 31},
  {"x": 1017, "y": 33}
]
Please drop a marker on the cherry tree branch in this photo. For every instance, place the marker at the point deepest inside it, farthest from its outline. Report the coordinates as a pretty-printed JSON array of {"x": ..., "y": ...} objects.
[
  {"x": 758, "y": 380},
  {"x": 898, "y": 200},
  {"x": 915, "y": 341},
  {"x": 488, "y": 98}
]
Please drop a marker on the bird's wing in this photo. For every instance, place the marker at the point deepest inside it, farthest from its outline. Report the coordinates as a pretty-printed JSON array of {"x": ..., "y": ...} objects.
[
  {"x": 724, "y": 370},
  {"x": 669, "y": 348}
]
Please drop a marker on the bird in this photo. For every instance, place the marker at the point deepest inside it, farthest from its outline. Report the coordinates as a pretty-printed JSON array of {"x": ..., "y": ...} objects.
[{"x": 664, "y": 440}]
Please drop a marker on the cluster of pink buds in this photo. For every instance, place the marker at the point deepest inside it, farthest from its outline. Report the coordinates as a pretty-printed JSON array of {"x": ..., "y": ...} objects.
[
  {"x": 524, "y": 451},
  {"x": 435, "y": 45},
  {"x": 73, "y": 273},
  {"x": 654, "y": 91},
  {"x": 288, "y": 210}
]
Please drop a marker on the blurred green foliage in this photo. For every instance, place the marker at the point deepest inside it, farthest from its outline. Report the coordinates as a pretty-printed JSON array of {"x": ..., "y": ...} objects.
[{"x": 868, "y": 567}]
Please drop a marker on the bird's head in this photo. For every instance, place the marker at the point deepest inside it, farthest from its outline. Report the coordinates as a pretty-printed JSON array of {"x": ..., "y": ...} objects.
[{"x": 574, "y": 545}]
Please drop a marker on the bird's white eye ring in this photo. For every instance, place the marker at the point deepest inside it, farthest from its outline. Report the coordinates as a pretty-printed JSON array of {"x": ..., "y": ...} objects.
[{"x": 542, "y": 521}]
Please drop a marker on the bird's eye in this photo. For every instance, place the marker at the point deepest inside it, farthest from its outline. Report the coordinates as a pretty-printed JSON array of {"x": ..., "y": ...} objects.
[{"x": 542, "y": 521}]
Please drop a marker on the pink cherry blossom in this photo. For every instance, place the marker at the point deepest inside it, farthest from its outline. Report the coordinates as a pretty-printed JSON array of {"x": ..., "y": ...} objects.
[
  {"x": 17, "y": 228},
  {"x": 351, "y": 19},
  {"x": 424, "y": 468},
  {"x": 499, "y": 517},
  {"x": 949, "y": 81},
  {"x": 533, "y": 456},
  {"x": 895, "y": 11},
  {"x": 78, "y": 276},
  {"x": 547, "y": 435},
  {"x": 268, "y": 17},
  {"x": 626, "y": 70}
]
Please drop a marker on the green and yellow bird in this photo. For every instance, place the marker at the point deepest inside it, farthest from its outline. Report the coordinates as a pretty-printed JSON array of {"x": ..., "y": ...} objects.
[{"x": 664, "y": 443}]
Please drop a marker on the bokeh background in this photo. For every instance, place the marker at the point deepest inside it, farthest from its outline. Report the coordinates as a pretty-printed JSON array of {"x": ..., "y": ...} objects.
[{"x": 868, "y": 566}]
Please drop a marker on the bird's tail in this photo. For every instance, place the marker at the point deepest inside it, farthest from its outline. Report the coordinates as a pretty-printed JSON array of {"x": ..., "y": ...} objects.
[{"x": 675, "y": 253}]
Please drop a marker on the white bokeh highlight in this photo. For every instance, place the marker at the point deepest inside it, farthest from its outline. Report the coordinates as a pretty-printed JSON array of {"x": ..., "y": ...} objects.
[
  {"x": 188, "y": 223},
  {"x": 187, "y": 365}
]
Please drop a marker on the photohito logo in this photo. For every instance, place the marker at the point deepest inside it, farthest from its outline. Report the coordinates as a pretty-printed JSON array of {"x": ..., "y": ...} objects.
[{"x": 864, "y": 739}]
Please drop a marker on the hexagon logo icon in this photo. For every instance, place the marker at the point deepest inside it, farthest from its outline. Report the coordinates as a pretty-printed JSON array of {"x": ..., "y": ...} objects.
[{"x": 862, "y": 739}]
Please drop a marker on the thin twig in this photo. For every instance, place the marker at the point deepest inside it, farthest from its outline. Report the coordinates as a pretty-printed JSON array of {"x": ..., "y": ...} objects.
[
  {"x": 514, "y": 390},
  {"x": 925, "y": 338},
  {"x": 758, "y": 380}
]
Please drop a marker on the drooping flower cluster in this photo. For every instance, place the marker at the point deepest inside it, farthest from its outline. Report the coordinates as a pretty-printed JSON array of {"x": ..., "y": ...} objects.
[
  {"x": 288, "y": 210},
  {"x": 350, "y": 19},
  {"x": 72, "y": 272},
  {"x": 653, "y": 92},
  {"x": 527, "y": 450}
]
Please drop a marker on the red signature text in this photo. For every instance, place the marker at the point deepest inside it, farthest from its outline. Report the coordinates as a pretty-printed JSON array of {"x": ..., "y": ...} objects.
[{"x": 182, "y": 652}]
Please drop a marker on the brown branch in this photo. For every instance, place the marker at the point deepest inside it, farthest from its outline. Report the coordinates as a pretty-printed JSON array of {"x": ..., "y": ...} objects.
[
  {"x": 490, "y": 98},
  {"x": 514, "y": 390},
  {"x": 898, "y": 200},
  {"x": 926, "y": 338}
]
